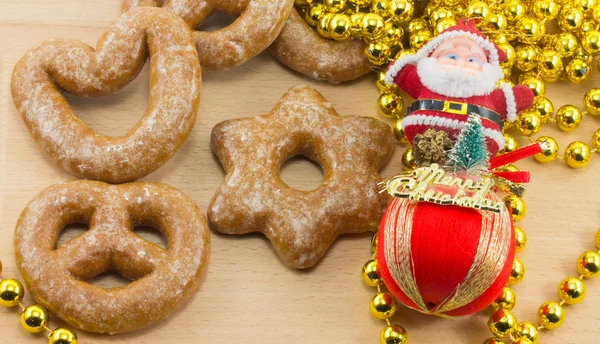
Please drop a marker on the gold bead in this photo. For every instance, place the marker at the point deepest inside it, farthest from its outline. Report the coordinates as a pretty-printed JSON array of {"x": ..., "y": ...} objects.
[
  {"x": 393, "y": 334},
  {"x": 417, "y": 24},
  {"x": 565, "y": 44},
  {"x": 382, "y": 306},
  {"x": 408, "y": 160},
  {"x": 551, "y": 315},
  {"x": 577, "y": 154},
  {"x": 443, "y": 25},
  {"x": 11, "y": 292},
  {"x": 323, "y": 25},
  {"x": 497, "y": 22},
  {"x": 550, "y": 66},
  {"x": 510, "y": 144},
  {"x": 356, "y": 25},
  {"x": 506, "y": 300},
  {"x": 545, "y": 9},
  {"x": 570, "y": 19},
  {"x": 549, "y": 149},
  {"x": 590, "y": 42},
  {"x": 527, "y": 330},
  {"x": 34, "y": 319},
  {"x": 335, "y": 6},
  {"x": 514, "y": 11},
  {"x": 526, "y": 57},
  {"x": 313, "y": 14},
  {"x": 536, "y": 85},
  {"x": 388, "y": 104},
  {"x": 401, "y": 11},
  {"x": 571, "y": 290},
  {"x": 591, "y": 101},
  {"x": 378, "y": 54},
  {"x": 516, "y": 206},
  {"x": 419, "y": 38},
  {"x": 528, "y": 123},
  {"x": 393, "y": 33},
  {"x": 62, "y": 336},
  {"x": 479, "y": 9},
  {"x": 369, "y": 273},
  {"x": 568, "y": 118},
  {"x": 517, "y": 273},
  {"x": 382, "y": 85},
  {"x": 596, "y": 139},
  {"x": 399, "y": 132},
  {"x": 545, "y": 109},
  {"x": 501, "y": 323},
  {"x": 587, "y": 6},
  {"x": 588, "y": 264},
  {"x": 339, "y": 27},
  {"x": 529, "y": 30},
  {"x": 372, "y": 26},
  {"x": 439, "y": 14},
  {"x": 578, "y": 70},
  {"x": 380, "y": 7},
  {"x": 494, "y": 340},
  {"x": 587, "y": 26},
  {"x": 374, "y": 241},
  {"x": 520, "y": 239},
  {"x": 596, "y": 13},
  {"x": 510, "y": 56}
]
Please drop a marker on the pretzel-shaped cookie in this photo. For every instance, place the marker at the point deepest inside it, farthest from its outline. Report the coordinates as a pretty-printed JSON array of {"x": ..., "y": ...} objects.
[
  {"x": 163, "y": 279},
  {"x": 259, "y": 23},
  {"x": 304, "y": 50},
  {"x": 175, "y": 81}
]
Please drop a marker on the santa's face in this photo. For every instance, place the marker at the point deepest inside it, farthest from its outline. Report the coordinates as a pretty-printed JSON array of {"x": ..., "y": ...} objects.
[
  {"x": 461, "y": 53},
  {"x": 459, "y": 68}
]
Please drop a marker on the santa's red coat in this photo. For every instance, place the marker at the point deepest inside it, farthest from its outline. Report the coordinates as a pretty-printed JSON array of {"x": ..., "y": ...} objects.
[{"x": 520, "y": 97}]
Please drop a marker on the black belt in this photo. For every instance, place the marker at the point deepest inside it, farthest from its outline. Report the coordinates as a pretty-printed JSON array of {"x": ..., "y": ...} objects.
[{"x": 455, "y": 108}]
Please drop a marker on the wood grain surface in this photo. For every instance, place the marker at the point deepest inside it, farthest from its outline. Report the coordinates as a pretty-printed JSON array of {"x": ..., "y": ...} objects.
[{"x": 249, "y": 296}]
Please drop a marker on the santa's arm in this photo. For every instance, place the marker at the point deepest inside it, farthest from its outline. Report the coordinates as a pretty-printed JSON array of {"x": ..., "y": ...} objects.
[
  {"x": 512, "y": 100},
  {"x": 403, "y": 73}
]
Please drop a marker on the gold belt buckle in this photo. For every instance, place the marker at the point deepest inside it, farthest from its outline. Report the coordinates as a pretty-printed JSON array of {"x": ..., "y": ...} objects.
[{"x": 454, "y": 107}]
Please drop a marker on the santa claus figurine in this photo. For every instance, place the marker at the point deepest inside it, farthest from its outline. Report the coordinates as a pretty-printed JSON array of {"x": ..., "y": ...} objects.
[{"x": 452, "y": 76}]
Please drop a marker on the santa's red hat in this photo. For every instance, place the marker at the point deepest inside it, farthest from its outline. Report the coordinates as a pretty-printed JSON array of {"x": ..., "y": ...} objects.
[{"x": 465, "y": 28}]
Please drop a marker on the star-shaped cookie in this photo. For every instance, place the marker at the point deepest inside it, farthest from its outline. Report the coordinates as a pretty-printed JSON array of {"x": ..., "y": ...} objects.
[{"x": 300, "y": 224}]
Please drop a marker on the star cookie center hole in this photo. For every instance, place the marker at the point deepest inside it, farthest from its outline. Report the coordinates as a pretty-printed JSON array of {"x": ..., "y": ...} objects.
[
  {"x": 70, "y": 232},
  {"x": 109, "y": 280},
  {"x": 152, "y": 235},
  {"x": 301, "y": 173},
  {"x": 216, "y": 21}
]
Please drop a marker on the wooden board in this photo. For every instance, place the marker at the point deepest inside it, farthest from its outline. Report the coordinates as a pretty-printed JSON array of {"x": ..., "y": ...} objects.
[{"x": 249, "y": 296}]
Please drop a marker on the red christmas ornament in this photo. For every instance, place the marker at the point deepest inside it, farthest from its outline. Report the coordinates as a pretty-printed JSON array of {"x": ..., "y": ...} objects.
[{"x": 445, "y": 260}]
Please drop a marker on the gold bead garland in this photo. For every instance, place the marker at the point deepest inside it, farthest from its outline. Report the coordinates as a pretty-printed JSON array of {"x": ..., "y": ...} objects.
[
  {"x": 34, "y": 318},
  {"x": 391, "y": 29}
]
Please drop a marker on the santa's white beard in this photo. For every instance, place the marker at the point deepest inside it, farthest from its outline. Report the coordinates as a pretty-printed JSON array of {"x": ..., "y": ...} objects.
[{"x": 456, "y": 82}]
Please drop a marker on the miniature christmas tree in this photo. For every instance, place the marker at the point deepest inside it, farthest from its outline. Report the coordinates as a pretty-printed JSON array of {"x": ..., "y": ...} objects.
[{"x": 469, "y": 154}]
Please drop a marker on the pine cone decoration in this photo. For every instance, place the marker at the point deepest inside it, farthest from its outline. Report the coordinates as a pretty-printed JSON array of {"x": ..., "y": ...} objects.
[{"x": 431, "y": 147}]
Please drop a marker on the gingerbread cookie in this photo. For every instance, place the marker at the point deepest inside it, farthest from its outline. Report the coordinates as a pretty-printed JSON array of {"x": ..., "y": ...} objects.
[
  {"x": 304, "y": 50},
  {"x": 301, "y": 225},
  {"x": 163, "y": 279},
  {"x": 175, "y": 81},
  {"x": 259, "y": 23}
]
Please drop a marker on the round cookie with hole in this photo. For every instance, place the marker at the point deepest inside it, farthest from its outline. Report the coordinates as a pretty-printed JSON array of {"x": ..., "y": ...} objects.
[{"x": 300, "y": 224}]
